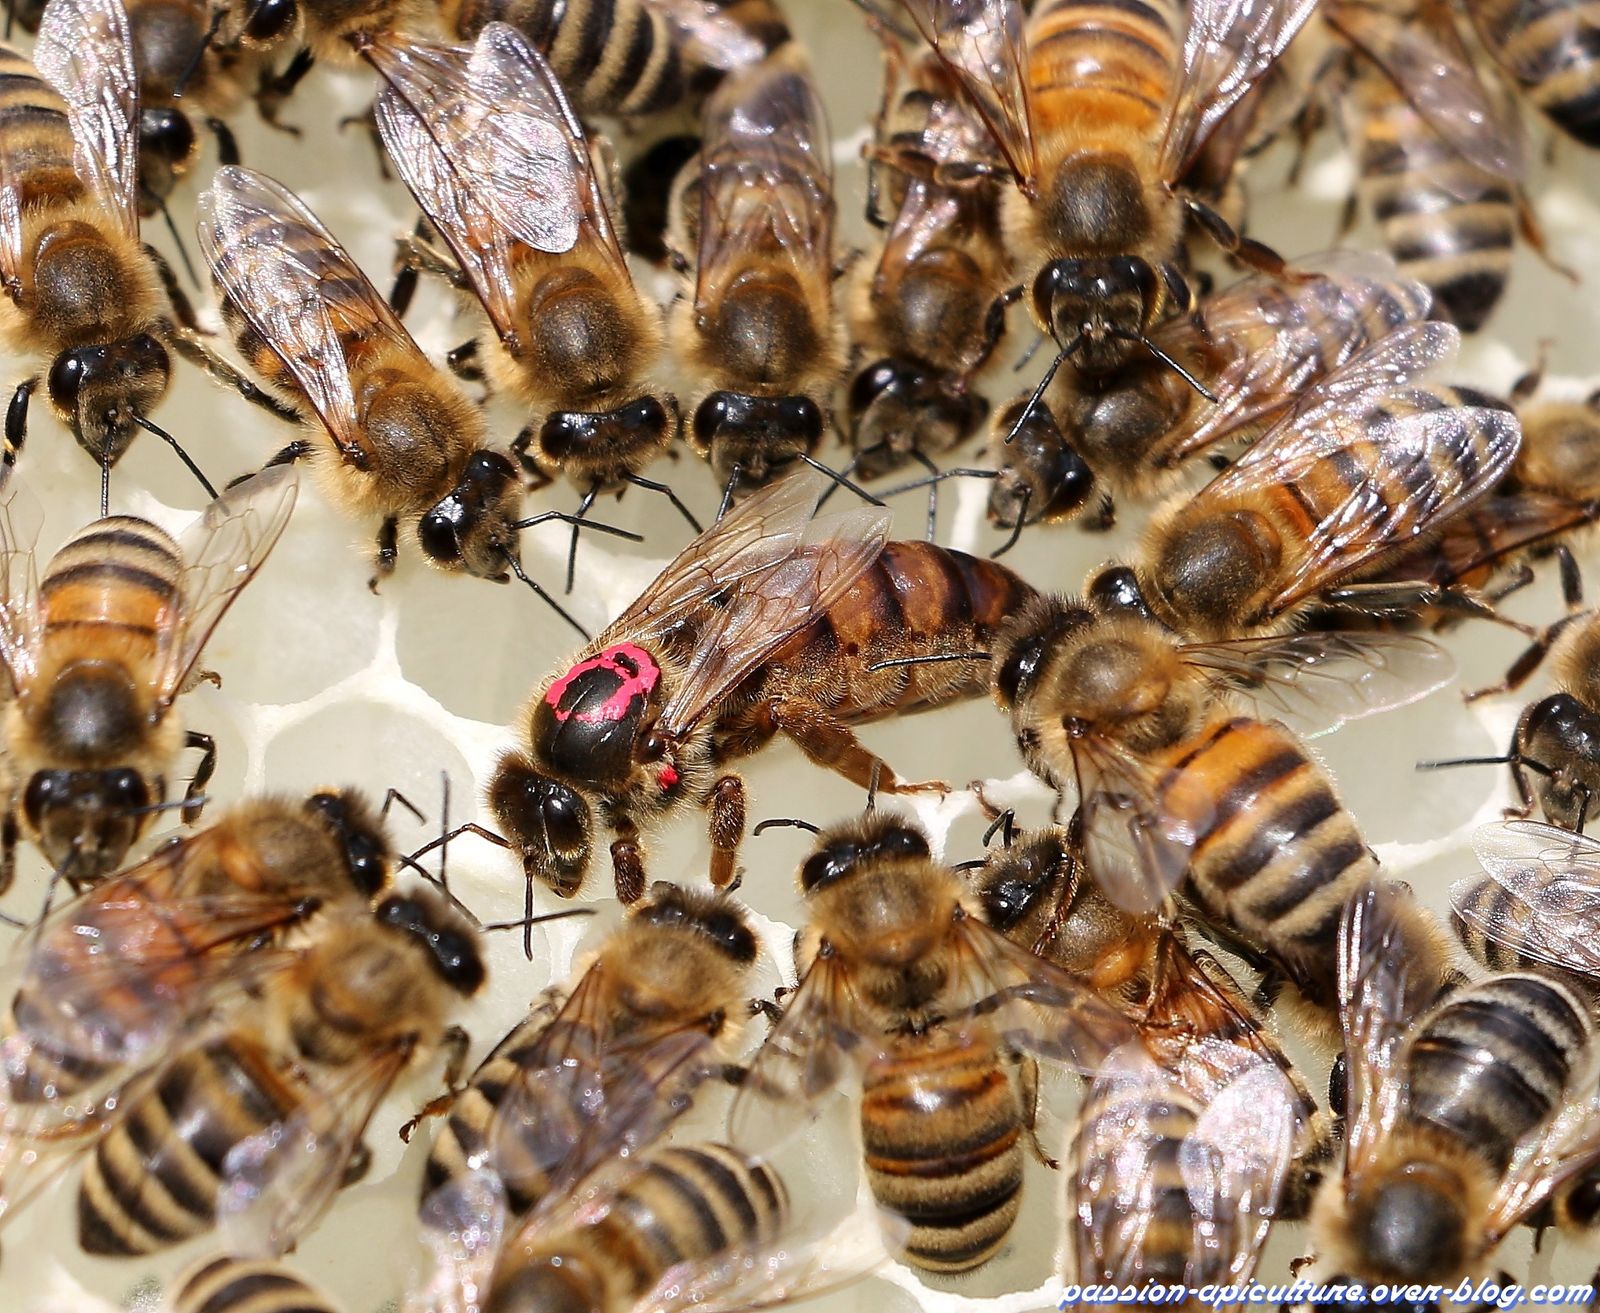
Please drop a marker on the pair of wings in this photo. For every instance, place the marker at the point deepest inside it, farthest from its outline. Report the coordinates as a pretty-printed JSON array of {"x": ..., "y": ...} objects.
[
  {"x": 85, "y": 53},
  {"x": 1549, "y": 885},
  {"x": 1278, "y": 339},
  {"x": 1377, "y": 1006},
  {"x": 221, "y": 552},
  {"x": 300, "y": 290},
  {"x": 488, "y": 143},
  {"x": 999, "y": 989},
  {"x": 747, "y": 585},
  {"x": 1228, "y": 45},
  {"x": 1232, "y": 1162},
  {"x": 1417, "y": 460},
  {"x": 1423, "y": 56},
  {"x": 1141, "y": 824},
  {"x": 766, "y": 176}
]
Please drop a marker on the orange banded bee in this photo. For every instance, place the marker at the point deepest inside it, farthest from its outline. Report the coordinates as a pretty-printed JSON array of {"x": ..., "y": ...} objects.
[
  {"x": 97, "y": 652},
  {"x": 246, "y": 1285},
  {"x": 766, "y": 624}
]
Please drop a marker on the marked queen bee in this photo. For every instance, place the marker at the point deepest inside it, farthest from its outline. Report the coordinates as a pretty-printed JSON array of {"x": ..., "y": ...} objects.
[{"x": 767, "y": 624}]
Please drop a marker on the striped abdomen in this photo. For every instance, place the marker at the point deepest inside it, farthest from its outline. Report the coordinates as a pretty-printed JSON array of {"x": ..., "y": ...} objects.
[
  {"x": 1493, "y": 1062},
  {"x": 941, "y": 1125},
  {"x": 1276, "y": 855},
  {"x": 109, "y": 594},
  {"x": 154, "y": 1178},
  {"x": 35, "y": 136},
  {"x": 1552, "y": 49},
  {"x": 246, "y": 1285},
  {"x": 1448, "y": 223},
  {"x": 916, "y": 599},
  {"x": 1101, "y": 72}
]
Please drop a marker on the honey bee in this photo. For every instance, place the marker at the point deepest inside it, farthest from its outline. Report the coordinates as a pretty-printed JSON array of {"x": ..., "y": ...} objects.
[
  {"x": 97, "y": 653},
  {"x": 904, "y": 987},
  {"x": 281, "y": 1096},
  {"x": 928, "y": 314},
  {"x": 82, "y": 291},
  {"x": 1439, "y": 152},
  {"x": 1367, "y": 462},
  {"x": 403, "y": 443},
  {"x": 608, "y": 1067},
  {"x": 632, "y": 58},
  {"x": 497, "y": 159},
  {"x": 1098, "y": 114},
  {"x": 231, "y": 1284},
  {"x": 1463, "y": 1117},
  {"x": 1140, "y": 1205},
  {"x": 760, "y": 328},
  {"x": 1179, "y": 788},
  {"x": 763, "y": 625},
  {"x": 1259, "y": 344},
  {"x": 1547, "y": 53}
]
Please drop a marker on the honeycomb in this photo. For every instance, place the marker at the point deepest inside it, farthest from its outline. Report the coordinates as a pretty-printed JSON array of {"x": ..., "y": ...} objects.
[{"x": 325, "y": 682}]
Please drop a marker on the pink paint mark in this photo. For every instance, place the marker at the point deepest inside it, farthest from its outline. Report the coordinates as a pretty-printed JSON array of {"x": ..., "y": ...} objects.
[
  {"x": 666, "y": 777},
  {"x": 637, "y": 670}
]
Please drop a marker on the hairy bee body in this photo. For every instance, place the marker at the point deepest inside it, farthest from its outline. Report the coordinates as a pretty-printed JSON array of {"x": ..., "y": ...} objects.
[
  {"x": 953, "y": 1170},
  {"x": 1448, "y": 223},
  {"x": 685, "y": 1204},
  {"x": 1549, "y": 50},
  {"x": 247, "y": 1285}
]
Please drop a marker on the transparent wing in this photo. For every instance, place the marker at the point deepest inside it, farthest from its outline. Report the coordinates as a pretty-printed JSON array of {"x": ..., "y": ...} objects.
[
  {"x": 463, "y": 1224},
  {"x": 713, "y": 40},
  {"x": 1229, "y": 44},
  {"x": 12, "y": 188},
  {"x": 298, "y": 287},
  {"x": 487, "y": 142},
  {"x": 766, "y": 180},
  {"x": 274, "y": 1185},
  {"x": 1428, "y": 65},
  {"x": 1318, "y": 681},
  {"x": 816, "y": 1046},
  {"x": 1489, "y": 532},
  {"x": 85, "y": 52},
  {"x": 983, "y": 45},
  {"x": 21, "y": 624},
  {"x": 221, "y": 552},
  {"x": 1569, "y": 1143},
  {"x": 1551, "y": 881}
]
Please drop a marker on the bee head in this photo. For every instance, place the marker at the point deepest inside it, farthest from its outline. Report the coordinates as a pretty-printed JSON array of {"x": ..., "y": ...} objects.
[
  {"x": 86, "y": 820},
  {"x": 469, "y": 529},
  {"x": 103, "y": 391},
  {"x": 549, "y": 823}
]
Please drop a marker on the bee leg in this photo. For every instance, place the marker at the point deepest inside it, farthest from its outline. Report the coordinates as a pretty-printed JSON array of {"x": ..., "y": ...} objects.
[
  {"x": 768, "y": 1008},
  {"x": 8, "y": 849},
  {"x": 418, "y": 253},
  {"x": 191, "y": 345},
  {"x": 1571, "y": 577},
  {"x": 1531, "y": 659},
  {"x": 726, "y": 824},
  {"x": 1105, "y": 517},
  {"x": 359, "y": 1165},
  {"x": 388, "y": 551},
  {"x": 227, "y": 143},
  {"x": 1028, "y": 1080},
  {"x": 17, "y": 420},
  {"x": 834, "y": 745},
  {"x": 627, "y": 870},
  {"x": 456, "y": 1042},
  {"x": 207, "y": 747},
  {"x": 274, "y": 88},
  {"x": 1246, "y": 250},
  {"x": 367, "y": 120}
]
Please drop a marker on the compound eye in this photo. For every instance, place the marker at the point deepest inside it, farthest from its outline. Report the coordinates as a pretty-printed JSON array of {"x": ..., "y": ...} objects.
[
  {"x": 652, "y": 747},
  {"x": 563, "y": 818},
  {"x": 488, "y": 467},
  {"x": 45, "y": 790},
  {"x": 437, "y": 531},
  {"x": 145, "y": 353},
  {"x": 66, "y": 378},
  {"x": 270, "y": 19},
  {"x": 901, "y": 842},
  {"x": 834, "y": 861},
  {"x": 711, "y": 415},
  {"x": 800, "y": 416},
  {"x": 167, "y": 133},
  {"x": 1020, "y": 669},
  {"x": 125, "y": 790},
  {"x": 872, "y": 382}
]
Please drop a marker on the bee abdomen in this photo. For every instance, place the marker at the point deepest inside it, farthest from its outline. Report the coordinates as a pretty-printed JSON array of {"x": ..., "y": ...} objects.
[
  {"x": 154, "y": 1178},
  {"x": 1553, "y": 48},
  {"x": 36, "y": 135},
  {"x": 1493, "y": 1061},
  {"x": 246, "y": 1285},
  {"x": 1487, "y": 901},
  {"x": 1114, "y": 60},
  {"x": 1277, "y": 855},
  {"x": 942, "y": 1131},
  {"x": 119, "y": 574}
]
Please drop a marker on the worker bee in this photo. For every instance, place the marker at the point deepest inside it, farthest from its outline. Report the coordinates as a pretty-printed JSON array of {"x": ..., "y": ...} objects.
[
  {"x": 1547, "y": 53},
  {"x": 1462, "y": 1118},
  {"x": 403, "y": 442},
  {"x": 97, "y": 653},
  {"x": 1258, "y": 344},
  {"x": 763, "y": 625},
  {"x": 1438, "y": 151},
  {"x": 646, "y": 1022},
  {"x": 632, "y": 58},
  {"x": 761, "y": 327},
  {"x": 1140, "y": 1205},
  {"x": 1178, "y": 786},
  {"x": 497, "y": 159},
  {"x": 82, "y": 291},
  {"x": 927, "y": 315},
  {"x": 281, "y": 1095},
  {"x": 903, "y": 986},
  {"x": 1366, "y": 463},
  {"x": 1098, "y": 114},
  {"x": 231, "y": 1284}
]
